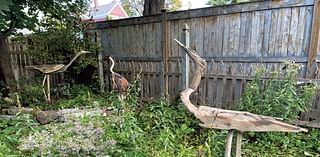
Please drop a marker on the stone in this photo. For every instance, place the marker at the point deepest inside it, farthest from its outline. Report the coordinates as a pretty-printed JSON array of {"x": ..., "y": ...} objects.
[{"x": 45, "y": 117}]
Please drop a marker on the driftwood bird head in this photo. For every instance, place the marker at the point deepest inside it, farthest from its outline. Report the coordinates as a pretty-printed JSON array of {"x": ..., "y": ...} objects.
[
  {"x": 119, "y": 82},
  {"x": 74, "y": 58}
]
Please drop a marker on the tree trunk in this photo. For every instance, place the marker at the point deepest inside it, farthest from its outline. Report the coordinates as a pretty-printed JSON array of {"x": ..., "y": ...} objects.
[
  {"x": 152, "y": 7},
  {"x": 5, "y": 66}
]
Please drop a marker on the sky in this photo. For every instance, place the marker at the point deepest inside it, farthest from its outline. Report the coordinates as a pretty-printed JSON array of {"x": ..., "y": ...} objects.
[{"x": 194, "y": 3}]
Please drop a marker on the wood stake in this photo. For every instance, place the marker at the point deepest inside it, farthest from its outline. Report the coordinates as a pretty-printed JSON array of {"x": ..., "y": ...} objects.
[
  {"x": 227, "y": 152},
  {"x": 239, "y": 142}
]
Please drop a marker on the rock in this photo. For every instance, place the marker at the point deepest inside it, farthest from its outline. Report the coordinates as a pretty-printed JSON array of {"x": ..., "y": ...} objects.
[
  {"x": 14, "y": 110},
  {"x": 45, "y": 117},
  {"x": 7, "y": 117}
]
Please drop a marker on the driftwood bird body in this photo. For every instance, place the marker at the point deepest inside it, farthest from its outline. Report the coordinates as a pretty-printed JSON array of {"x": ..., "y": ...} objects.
[
  {"x": 48, "y": 69},
  {"x": 118, "y": 81},
  {"x": 211, "y": 117}
]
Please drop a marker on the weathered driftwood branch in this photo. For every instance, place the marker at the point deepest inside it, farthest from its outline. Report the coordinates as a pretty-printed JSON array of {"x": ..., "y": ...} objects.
[
  {"x": 211, "y": 117},
  {"x": 227, "y": 119}
]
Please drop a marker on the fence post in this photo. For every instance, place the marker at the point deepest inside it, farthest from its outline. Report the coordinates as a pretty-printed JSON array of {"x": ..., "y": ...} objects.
[
  {"x": 165, "y": 53},
  {"x": 185, "y": 58},
  {"x": 97, "y": 35},
  {"x": 314, "y": 41}
]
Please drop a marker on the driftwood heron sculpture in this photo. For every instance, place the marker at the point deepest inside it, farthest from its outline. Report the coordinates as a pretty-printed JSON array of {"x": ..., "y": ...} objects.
[
  {"x": 48, "y": 69},
  {"x": 118, "y": 81},
  {"x": 211, "y": 117}
]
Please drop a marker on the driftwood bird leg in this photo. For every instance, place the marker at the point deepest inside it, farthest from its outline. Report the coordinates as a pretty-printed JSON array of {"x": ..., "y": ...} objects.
[
  {"x": 227, "y": 152},
  {"x": 43, "y": 88},
  {"x": 239, "y": 142},
  {"x": 48, "y": 87}
]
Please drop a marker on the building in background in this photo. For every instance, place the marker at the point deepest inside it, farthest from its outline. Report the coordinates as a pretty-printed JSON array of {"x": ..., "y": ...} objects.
[{"x": 110, "y": 11}]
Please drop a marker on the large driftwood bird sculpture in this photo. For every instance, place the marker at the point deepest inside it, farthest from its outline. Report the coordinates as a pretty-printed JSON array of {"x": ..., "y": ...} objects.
[
  {"x": 48, "y": 69},
  {"x": 211, "y": 117},
  {"x": 118, "y": 82}
]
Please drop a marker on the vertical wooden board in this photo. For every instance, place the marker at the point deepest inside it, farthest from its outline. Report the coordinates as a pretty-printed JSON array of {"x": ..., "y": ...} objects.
[
  {"x": 226, "y": 36},
  {"x": 218, "y": 92},
  {"x": 198, "y": 32},
  {"x": 130, "y": 46},
  {"x": 242, "y": 34},
  {"x": 219, "y": 36},
  {"x": 148, "y": 40},
  {"x": 273, "y": 32},
  {"x": 236, "y": 18},
  {"x": 248, "y": 31},
  {"x": 158, "y": 40},
  {"x": 208, "y": 36},
  {"x": 260, "y": 25},
  {"x": 231, "y": 37},
  {"x": 114, "y": 48},
  {"x": 280, "y": 27},
  {"x": 254, "y": 36},
  {"x": 154, "y": 40},
  {"x": 104, "y": 41},
  {"x": 301, "y": 29},
  {"x": 213, "y": 44},
  {"x": 180, "y": 37},
  {"x": 109, "y": 41},
  {"x": 117, "y": 42},
  {"x": 307, "y": 31},
  {"x": 121, "y": 41},
  {"x": 285, "y": 29},
  {"x": 173, "y": 49},
  {"x": 293, "y": 41},
  {"x": 237, "y": 91},
  {"x": 266, "y": 32}
]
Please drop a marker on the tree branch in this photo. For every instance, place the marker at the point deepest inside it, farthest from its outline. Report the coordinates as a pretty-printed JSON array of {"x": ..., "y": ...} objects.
[{"x": 6, "y": 33}]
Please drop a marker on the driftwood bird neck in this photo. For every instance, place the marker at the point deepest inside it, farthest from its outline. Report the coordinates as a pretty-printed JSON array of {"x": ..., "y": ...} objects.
[
  {"x": 118, "y": 82},
  {"x": 211, "y": 117}
]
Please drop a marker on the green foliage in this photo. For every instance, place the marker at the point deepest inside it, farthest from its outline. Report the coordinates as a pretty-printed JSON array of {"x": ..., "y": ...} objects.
[
  {"x": 23, "y": 13},
  {"x": 283, "y": 144},
  {"x": 134, "y": 128},
  {"x": 11, "y": 133},
  {"x": 284, "y": 99},
  {"x": 278, "y": 98}
]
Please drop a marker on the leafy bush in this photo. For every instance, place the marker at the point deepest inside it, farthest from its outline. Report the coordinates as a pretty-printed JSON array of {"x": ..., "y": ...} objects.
[
  {"x": 284, "y": 99},
  {"x": 276, "y": 97}
]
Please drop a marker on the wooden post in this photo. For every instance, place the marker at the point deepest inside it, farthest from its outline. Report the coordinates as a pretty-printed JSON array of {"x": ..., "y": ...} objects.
[
  {"x": 165, "y": 52},
  {"x": 185, "y": 58},
  {"x": 314, "y": 40},
  {"x": 239, "y": 142},
  {"x": 100, "y": 62},
  {"x": 48, "y": 86},
  {"x": 227, "y": 152}
]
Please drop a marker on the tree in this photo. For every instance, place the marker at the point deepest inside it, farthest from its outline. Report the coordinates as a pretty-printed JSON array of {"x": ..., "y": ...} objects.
[
  {"x": 152, "y": 7},
  {"x": 174, "y": 5},
  {"x": 136, "y": 7},
  {"x": 133, "y": 7},
  {"x": 19, "y": 14},
  {"x": 223, "y": 2}
]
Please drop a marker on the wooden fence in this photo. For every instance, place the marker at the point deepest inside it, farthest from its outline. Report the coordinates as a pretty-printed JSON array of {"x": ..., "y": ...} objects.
[
  {"x": 232, "y": 39},
  {"x": 19, "y": 61}
]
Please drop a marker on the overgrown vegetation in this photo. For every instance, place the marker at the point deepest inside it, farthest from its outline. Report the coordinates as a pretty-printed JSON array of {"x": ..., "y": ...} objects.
[
  {"x": 159, "y": 128},
  {"x": 284, "y": 99}
]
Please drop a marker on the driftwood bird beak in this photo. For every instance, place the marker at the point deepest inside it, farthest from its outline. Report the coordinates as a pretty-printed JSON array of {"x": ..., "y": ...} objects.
[
  {"x": 192, "y": 54},
  {"x": 85, "y": 51}
]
